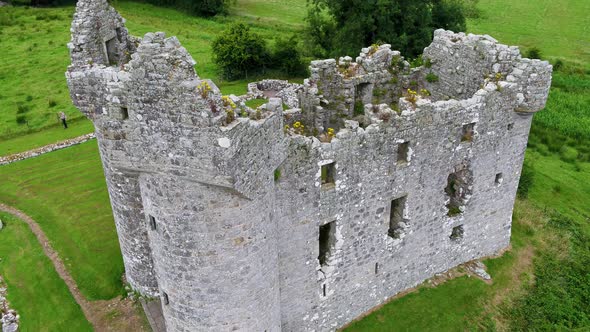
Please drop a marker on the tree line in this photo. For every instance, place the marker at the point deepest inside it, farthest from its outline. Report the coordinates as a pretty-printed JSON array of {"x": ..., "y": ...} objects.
[{"x": 341, "y": 27}]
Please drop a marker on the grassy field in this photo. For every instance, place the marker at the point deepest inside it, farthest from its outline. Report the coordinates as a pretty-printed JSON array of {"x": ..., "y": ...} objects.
[
  {"x": 560, "y": 28},
  {"x": 48, "y": 135},
  {"x": 43, "y": 300},
  {"x": 65, "y": 192},
  {"x": 35, "y": 85}
]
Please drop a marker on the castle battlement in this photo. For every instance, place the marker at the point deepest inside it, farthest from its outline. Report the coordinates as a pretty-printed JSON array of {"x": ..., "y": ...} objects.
[{"x": 370, "y": 177}]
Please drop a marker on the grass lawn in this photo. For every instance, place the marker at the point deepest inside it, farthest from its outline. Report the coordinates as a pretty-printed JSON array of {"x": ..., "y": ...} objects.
[
  {"x": 65, "y": 192},
  {"x": 255, "y": 103},
  {"x": 559, "y": 28},
  {"x": 48, "y": 135},
  {"x": 42, "y": 299}
]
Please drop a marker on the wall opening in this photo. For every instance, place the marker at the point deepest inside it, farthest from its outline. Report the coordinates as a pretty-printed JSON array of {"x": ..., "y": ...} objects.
[
  {"x": 457, "y": 233},
  {"x": 458, "y": 190},
  {"x": 327, "y": 242},
  {"x": 403, "y": 153},
  {"x": 510, "y": 126},
  {"x": 328, "y": 175},
  {"x": 324, "y": 290},
  {"x": 165, "y": 299},
  {"x": 397, "y": 223},
  {"x": 499, "y": 179},
  {"x": 376, "y": 268},
  {"x": 468, "y": 132},
  {"x": 124, "y": 113},
  {"x": 364, "y": 94},
  {"x": 112, "y": 51},
  {"x": 153, "y": 225}
]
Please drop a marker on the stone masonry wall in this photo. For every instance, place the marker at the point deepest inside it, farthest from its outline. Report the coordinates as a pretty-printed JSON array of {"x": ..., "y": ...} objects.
[{"x": 241, "y": 223}]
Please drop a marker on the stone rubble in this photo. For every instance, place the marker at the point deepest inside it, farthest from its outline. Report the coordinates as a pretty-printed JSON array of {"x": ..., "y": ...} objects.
[{"x": 479, "y": 269}]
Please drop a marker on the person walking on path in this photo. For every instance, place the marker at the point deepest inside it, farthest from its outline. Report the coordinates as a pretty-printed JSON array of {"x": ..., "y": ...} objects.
[{"x": 63, "y": 118}]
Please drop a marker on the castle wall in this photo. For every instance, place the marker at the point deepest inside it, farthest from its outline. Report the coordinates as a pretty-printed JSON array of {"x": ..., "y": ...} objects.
[
  {"x": 215, "y": 256},
  {"x": 131, "y": 227},
  {"x": 368, "y": 179}
]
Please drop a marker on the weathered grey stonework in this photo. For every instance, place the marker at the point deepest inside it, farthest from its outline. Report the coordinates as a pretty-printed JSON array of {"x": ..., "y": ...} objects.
[
  {"x": 9, "y": 318},
  {"x": 302, "y": 220}
]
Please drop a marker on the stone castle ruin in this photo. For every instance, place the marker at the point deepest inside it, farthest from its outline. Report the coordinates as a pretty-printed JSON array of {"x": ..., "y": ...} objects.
[{"x": 309, "y": 211}]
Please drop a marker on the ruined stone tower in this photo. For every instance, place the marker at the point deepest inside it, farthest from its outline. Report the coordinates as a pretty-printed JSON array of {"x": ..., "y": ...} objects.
[{"x": 303, "y": 217}]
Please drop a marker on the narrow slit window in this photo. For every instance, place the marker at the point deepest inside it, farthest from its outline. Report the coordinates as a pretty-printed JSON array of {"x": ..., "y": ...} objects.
[
  {"x": 397, "y": 223},
  {"x": 457, "y": 233},
  {"x": 165, "y": 299},
  {"x": 327, "y": 240},
  {"x": 376, "y": 268},
  {"x": 324, "y": 290},
  {"x": 328, "y": 175},
  {"x": 403, "y": 153},
  {"x": 153, "y": 225},
  {"x": 124, "y": 113},
  {"x": 499, "y": 179},
  {"x": 468, "y": 132}
]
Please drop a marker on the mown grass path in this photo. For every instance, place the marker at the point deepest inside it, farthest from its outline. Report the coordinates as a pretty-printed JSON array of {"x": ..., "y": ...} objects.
[
  {"x": 112, "y": 315},
  {"x": 54, "y": 257}
]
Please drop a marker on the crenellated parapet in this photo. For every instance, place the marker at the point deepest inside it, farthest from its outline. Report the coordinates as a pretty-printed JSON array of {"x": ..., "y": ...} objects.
[{"x": 302, "y": 214}]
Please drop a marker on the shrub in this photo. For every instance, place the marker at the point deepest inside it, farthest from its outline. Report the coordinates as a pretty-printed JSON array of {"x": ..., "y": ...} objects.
[
  {"x": 527, "y": 178},
  {"x": 239, "y": 52},
  {"x": 568, "y": 154},
  {"x": 286, "y": 56},
  {"x": 533, "y": 53},
  {"x": 51, "y": 103},
  {"x": 195, "y": 7}
]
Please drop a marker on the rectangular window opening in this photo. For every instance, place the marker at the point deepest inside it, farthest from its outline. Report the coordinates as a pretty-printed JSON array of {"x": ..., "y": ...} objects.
[
  {"x": 112, "y": 51},
  {"x": 499, "y": 179},
  {"x": 397, "y": 222},
  {"x": 327, "y": 240},
  {"x": 468, "y": 132},
  {"x": 457, "y": 233},
  {"x": 403, "y": 153},
  {"x": 124, "y": 113},
  {"x": 328, "y": 175},
  {"x": 153, "y": 223},
  {"x": 165, "y": 299}
]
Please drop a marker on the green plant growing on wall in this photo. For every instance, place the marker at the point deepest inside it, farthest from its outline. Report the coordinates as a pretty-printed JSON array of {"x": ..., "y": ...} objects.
[
  {"x": 359, "y": 108},
  {"x": 432, "y": 78}
]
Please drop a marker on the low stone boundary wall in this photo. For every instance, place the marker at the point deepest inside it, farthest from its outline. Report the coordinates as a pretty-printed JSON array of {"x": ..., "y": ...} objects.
[
  {"x": 45, "y": 149},
  {"x": 9, "y": 319}
]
